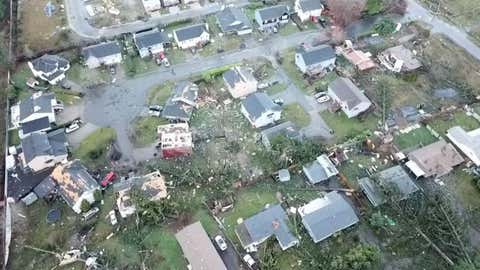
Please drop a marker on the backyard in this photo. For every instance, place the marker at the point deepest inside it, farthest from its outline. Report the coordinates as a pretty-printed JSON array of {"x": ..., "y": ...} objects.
[
  {"x": 457, "y": 119},
  {"x": 414, "y": 139},
  {"x": 145, "y": 130},
  {"x": 93, "y": 149},
  {"x": 296, "y": 114},
  {"x": 159, "y": 94},
  {"x": 346, "y": 128}
]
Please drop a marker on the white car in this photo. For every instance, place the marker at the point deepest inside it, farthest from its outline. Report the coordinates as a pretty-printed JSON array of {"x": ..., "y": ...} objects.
[
  {"x": 249, "y": 260},
  {"x": 113, "y": 218},
  {"x": 323, "y": 99},
  {"x": 221, "y": 242},
  {"x": 319, "y": 94},
  {"x": 155, "y": 110}
]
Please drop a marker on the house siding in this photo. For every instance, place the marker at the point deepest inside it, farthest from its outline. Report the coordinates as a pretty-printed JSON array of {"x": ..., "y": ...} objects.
[
  {"x": 192, "y": 43},
  {"x": 265, "y": 119},
  {"x": 93, "y": 62},
  {"x": 156, "y": 49}
]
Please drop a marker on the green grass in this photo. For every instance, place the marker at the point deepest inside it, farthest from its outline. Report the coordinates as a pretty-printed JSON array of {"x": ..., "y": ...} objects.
[
  {"x": 145, "y": 130},
  {"x": 275, "y": 89},
  {"x": 226, "y": 43},
  {"x": 352, "y": 171},
  {"x": 417, "y": 137},
  {"x": 288, "y": 29},
  {"x": 458, "y": 119},
  {"x": 296, "y": 114},
  {"x": 134, "y": 65},
  {"x": 13, "y": 138},
  {"x": 67, "y": 97},
  {"x": 465, "y": 189},
  {"x": 167, "y": 253},
  {"x": 93, "y": 149},
  {"x": 175, "y": 56},
  {"x": 207, "y": 221},
  {"x": 85, "y": 76},
  {"x": 346, "y": 128},
  {"x": 19, "y": 80},
  {"x": 159, "y": 94}
]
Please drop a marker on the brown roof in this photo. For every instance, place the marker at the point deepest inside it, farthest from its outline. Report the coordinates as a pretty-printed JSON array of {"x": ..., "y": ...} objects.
[
  {"x": 198, "y": 248},
  {"x": 436, "y": 159}
]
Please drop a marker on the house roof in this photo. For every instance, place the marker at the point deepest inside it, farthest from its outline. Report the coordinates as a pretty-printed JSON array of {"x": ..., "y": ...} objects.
[
  {"x": 317, "y": 54},
  {"x": 270, "y": 221},
  {"x": 177, "y": 110},
  {"x": 232, "y": 19},
  {"x": 36, "y": 103},
  {"x": 326, "y": 216},
  {"x": 287, "y": 129},
  {"x": 102, "y": 50},
  {"x": 310, "y": 5},
  {"x": 395, "y": 177},
  {"x": 236, "y": 75},
  {"x": 198, "y": 249},
  {"x": 45, "y": 187},
  {"x": 436, "y": 159},
  {"x": 35, "y": 125},
  {"x": 150, "y": 38},
  {"x": 320, "y": 170},
  {"x": 190, "y": 32},
  {"x": 186, "y": 92},
  {"x": 152, "y": 185},
  {"x": 48, "y": 63},
  {"x": 272, "y": 12},
  {"x": 258, "y": 103},
  {"x": 403, "y": 54},
  {"x": 73, "y": 180},
  {"x": 40, "y": 144},
  {"x": 348, "y": 92},
  {"x": 470, "y": 139}
]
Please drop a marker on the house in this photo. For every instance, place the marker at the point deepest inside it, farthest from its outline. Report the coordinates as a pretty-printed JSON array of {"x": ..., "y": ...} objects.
[
  {"x": 316, "y": 60},
  {"x": 320, "y": 170},
  {"x": 151, "y": 5},
  {"x": 240, "y": 81},
  {"x": 106, "y": 53},
  {"x": 43, "y": 150},
  {"x": 152, "y": 185},
  {"x": 399, "y": 59},
  {"x": 232, "y": 20},
  {"x": 175, "y": 140},
  {"x": 361, "y": 60},
  {"x": 169, "y": 3},
  {"x": 125, "y": 204},
  {"x": 434, "y": 160},
  {"x": 394, "y": 179},
  {"x": 260, "y": 110},
  {"x": 286, "y": 129},
  {"x": 271, "y": 17},
  {"x": 193, "y": 36},
  {"x": 38, "y": 105},
  {"x": 75, "y": 184},
  {"x": 467, "y": 141},
  {"x": 50, "y": 68},
  {"x": 326, "y": 216},
  {"x": 37, "y": 125},
  {"x": 180, "y": 105},
  {"x": 271, "y": 221},
  {"x": 150, "y": 42},
  {"x": 198, "y": 249},
  {"x": 348, "y": 97},
  {"x": 45, "y": 188},
  {"x": 308, "y": 9}
]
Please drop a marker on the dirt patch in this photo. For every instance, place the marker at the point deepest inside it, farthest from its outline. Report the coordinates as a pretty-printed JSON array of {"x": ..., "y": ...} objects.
[{"x": 111, "y": 12}]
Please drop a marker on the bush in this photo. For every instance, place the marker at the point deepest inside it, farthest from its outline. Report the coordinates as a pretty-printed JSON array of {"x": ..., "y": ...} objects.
[
  {"x": 85, "y": 206},
  {"x": 385, "y": 27},
  {"x": 97, "y": 195},
  {"x": 374, "y": 7}
]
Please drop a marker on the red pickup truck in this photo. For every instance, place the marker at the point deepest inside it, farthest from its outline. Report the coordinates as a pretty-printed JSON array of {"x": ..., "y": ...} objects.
[{"x": 108, "y": 179}]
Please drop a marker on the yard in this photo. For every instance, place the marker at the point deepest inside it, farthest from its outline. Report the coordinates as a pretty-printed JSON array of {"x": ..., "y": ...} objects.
[
  {"x": 346, "y": 128},
  {"x": 145, "y": 130},
  {"x": 276, "y": 89},
  {"x": 414, "y": 139},
  {"x": 457, "y": 119},
  {"x": 86, "y": 77},
  {"x": 357, "y": 164},
  {"x": 218, "y": 41},
  {"x": 159, "y": 95},
  {"x": 296, "y": 114},
  {"x": 93, "y": 150}
]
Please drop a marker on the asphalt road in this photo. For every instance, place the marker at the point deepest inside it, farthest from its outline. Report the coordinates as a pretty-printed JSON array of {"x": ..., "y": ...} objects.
[{"x": 118, "y": 104}]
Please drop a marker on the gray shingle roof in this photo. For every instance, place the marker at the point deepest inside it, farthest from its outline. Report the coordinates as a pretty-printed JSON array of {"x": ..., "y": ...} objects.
[
  {"x": 310, "y": 5},
  {"x": 348, "y": 92},
  {"x": 325, "y": 216},
  {"x": 150, "y": 38},
  {"x": 258, "y": 103},
  {"x": 177, "y": 111},
  {"x": 35, "y": 125},
  {"x": 102, "y": 50},
  {"x": 232, "y": 19},
  {"x": 185, "y": 91},
  {"x": 36, "y": 103},
  {"x": 45, "y": 187},
  {"x": 190, "y": 32},
  {"x": 287, "y": 129},
  {"x": 268, "y": 222},
  {"x": 48, "y": 63},
  {"x": 273, "y": 12},
  {"x": 318, "y": 54},
  {"x": 39, "y": 144},
  {"x": 320, "y": 170}
]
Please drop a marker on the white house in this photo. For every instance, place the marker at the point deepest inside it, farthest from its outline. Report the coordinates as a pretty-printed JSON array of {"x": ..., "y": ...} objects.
[
  {"x": 240, "y": 81},
  {"x": 150, "y": 42},
  {"x": 233, "y": 21},
  {"x": 42, "y": 150},
  {"x": 348, "y": 97},
  {"x": 308, "y": 9},
  {"x": 36, "y": 106},
  {"x": 107, "y": 53},
  {"x": 271, "y": 17},
  {"x": 75, "y": 184},
  {"x": 467, "y": 141},
  {"x": 151, "y": 5},
  {"x": 260, "y": 110},
  {"x": 320, "y": 170},
  {"x": 192, "y": 36},
  {"x": 316, "y": 60},
  {"x": 169, "y": 3},
  {"x": 50, "y": 68}
]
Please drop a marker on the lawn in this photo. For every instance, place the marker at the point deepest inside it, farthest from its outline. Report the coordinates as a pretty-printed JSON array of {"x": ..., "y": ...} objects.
[
  {"x": 133, "y": 65},
  {"x": 13, "y": 138},
  {"x": 175, "y": 56},
  {"x": 458, "y": 119},
  {"x": 415, "y": 138},
  {"x": 67, "y": 97},
  {"x": 288, "y": 29},
  {"x": 159, "y": 94},
  {"x": 93, "y": 149},
  {"x": 356, "y": 167},
  {"x": 461, "y": 12},
  {"x": 85, "y": 76},
  {"x": 218, "y": 40},
  {"x": 19, "y": 80},
  {"x": 346, "y": 128},
  {"x": 296, "y": 114},
  {"x": 145, "y": 130},
  {"x": 276, "y": 89}
]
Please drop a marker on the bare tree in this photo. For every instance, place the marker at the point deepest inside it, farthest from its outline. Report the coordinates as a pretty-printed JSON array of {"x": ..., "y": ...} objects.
[{"x": 345, "y": 12}]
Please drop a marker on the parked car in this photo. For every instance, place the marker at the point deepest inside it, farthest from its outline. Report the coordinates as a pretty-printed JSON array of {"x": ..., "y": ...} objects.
[
  {"x": 279, "y": 101},
  {"x": 221, "y": 242},
  {"x": 113, "y": 218},
  {"x": 108, "y": 179},
  {"x": 323, "y": 99},
  {"x": 166, "y": 62},
  {"x": 249, "y": 260},
  {"x": 155, "y": 110},
  {"x": 319, "y": 94},
  {"x": 90, "y": 213},
  {"x": 74, "y": 126}
]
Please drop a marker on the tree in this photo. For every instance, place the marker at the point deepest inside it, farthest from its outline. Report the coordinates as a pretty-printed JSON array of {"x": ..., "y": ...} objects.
[
  {"x": 385, "y": 27},
  {"x": 84, "y": 206},
  {"x": 97, "y": 195},
  {"x": 3, "y": 8},
  {"x": 345, "y": 12},
  {"x": 374, "y": 7},
  {"x": 361, "y": 257}
]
